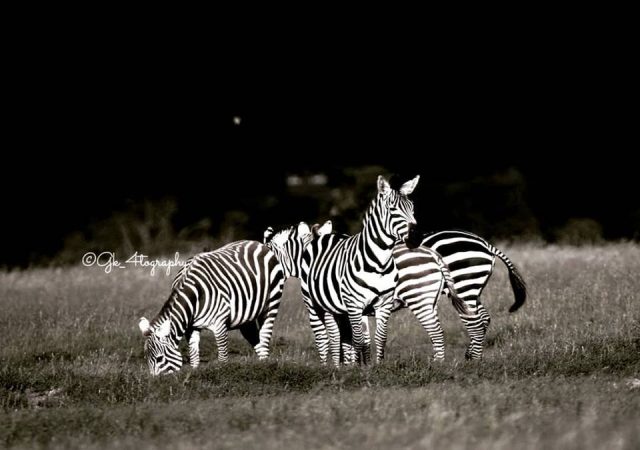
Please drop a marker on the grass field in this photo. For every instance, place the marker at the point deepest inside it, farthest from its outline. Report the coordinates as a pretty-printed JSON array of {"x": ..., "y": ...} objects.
[{"x": 563, "y": 372}]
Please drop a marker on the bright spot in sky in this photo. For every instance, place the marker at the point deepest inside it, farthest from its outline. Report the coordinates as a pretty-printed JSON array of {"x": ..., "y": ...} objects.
[{"x": 237, "y": 120}]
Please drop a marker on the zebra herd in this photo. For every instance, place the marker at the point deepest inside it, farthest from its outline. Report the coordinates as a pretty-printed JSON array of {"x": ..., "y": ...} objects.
[{"x": 344, "y": 279}]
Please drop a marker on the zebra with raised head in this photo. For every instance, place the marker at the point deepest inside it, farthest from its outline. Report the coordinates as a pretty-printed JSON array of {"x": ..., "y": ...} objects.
[
  {"x": 236, "y": 286},
  {"x": 422, "y": 275},
  {"x": 346, "y": 275}
]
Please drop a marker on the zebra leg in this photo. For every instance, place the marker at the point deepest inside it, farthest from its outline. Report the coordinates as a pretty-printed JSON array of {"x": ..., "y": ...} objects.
[
  {"x": 355, "y": 318},
  {"x": 484, "y": 314},
  {"x": 251, "y": 332},
  {"x": 348, "y": 356},
  {"x": 425, "y": 308},
  {"x": 265, "y": 325},
  {"x": 258, "y": 333},
  {"x": 193, "y": 337},
  {"x": 221, "y": 333},
  {"x": 348, "y": 352},
  {"x": 266, "y": 332},
  {"x": 476, "y": 326},
  {"x": 366, "y": 335},
  {"x": 316, "y": 320},
  {"x": 321, "y": 338},
  {"x": 333, "y": 331},
  {"x": 382, "y": 318}
]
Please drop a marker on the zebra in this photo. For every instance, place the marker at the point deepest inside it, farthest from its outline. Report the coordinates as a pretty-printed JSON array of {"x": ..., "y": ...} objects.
[
  {"x": 471, "y": 260},
  {"x": 236, "y": 286},
  {"x": 422, "y": 275},
  {"x": 345, "y": 275}
]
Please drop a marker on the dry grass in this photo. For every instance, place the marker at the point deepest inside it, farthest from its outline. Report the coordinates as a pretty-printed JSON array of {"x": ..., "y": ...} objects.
[{"x": 560, "y": 373}]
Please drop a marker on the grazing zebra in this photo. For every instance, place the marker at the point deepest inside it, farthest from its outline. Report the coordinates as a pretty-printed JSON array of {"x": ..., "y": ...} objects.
[
  {"x": 237, "y": 286},
  {"x": 471, "y": 260},
  {"x": 344, "y": 275}
]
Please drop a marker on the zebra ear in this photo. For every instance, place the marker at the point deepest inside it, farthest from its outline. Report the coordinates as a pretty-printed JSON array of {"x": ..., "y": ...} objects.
[
  {"x": 303, "y": 229},
  {"x": 327, "y": 228},
  {"x": 409, "y": 186},
  {"x": 268, "y": 234},
  {"x": 164, "y": 329},
  {"x": 383, "y": 186},
  {"x": 144, "y": 326}
]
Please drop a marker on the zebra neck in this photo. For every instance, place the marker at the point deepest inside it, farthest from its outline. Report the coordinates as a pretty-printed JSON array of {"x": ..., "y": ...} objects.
[
  {"x": 181, "y": 316},
  {"x": 176, "y": 333},
  {"x": 283, "y": 259},
  {"x": 287, "y": 272},
  {"x": 375, "y": 240}
]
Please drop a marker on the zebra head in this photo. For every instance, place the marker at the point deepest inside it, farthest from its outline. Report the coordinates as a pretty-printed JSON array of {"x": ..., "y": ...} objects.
[
  {"x": 289, "y": 244},
  {"x": 395, "y": 209},
  {"x": 161, "y": 351}
]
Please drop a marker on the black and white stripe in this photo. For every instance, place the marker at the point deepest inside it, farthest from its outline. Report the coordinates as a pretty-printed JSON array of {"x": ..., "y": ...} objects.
[
  {"x": 289, "y": 244},
  {"x": 235, "y": 287}
]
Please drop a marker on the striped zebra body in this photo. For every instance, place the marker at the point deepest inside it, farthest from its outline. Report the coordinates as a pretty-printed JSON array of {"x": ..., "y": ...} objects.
[
  {"x": 421, "y": 277},
  {"x": 471, "y": 260},
  {"x": 345, "y": 275},
  {"x": 235, "y": 287}
]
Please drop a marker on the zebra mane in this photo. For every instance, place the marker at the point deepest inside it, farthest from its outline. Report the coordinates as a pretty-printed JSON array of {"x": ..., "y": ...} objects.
[
  {"x": 179, "y": 279},
  {"x": 281, "y": 237},
  {"x": 176, "y": 286}
]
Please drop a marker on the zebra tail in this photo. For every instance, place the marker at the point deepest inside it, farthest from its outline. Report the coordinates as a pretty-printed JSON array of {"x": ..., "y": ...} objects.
[
  {"x": 458, "y": 303},
  {"x": 518, "y": 284}
]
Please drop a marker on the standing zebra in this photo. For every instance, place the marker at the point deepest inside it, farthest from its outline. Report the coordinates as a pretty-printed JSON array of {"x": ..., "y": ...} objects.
[
  {"x": 471, "y": 260},
  {"x": 289, "y": 247},
  {"x": 345, "y": 275},
  {"x": 422, "y": 275},
  {"x": 237, "y": 286}
]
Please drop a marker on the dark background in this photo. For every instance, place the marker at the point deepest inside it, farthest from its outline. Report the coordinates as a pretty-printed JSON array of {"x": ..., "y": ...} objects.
[{"x": 539, "y": 135}]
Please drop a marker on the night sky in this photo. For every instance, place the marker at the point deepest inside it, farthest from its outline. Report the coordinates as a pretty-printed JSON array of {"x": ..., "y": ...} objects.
[{"x": 87, "y": 140}]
